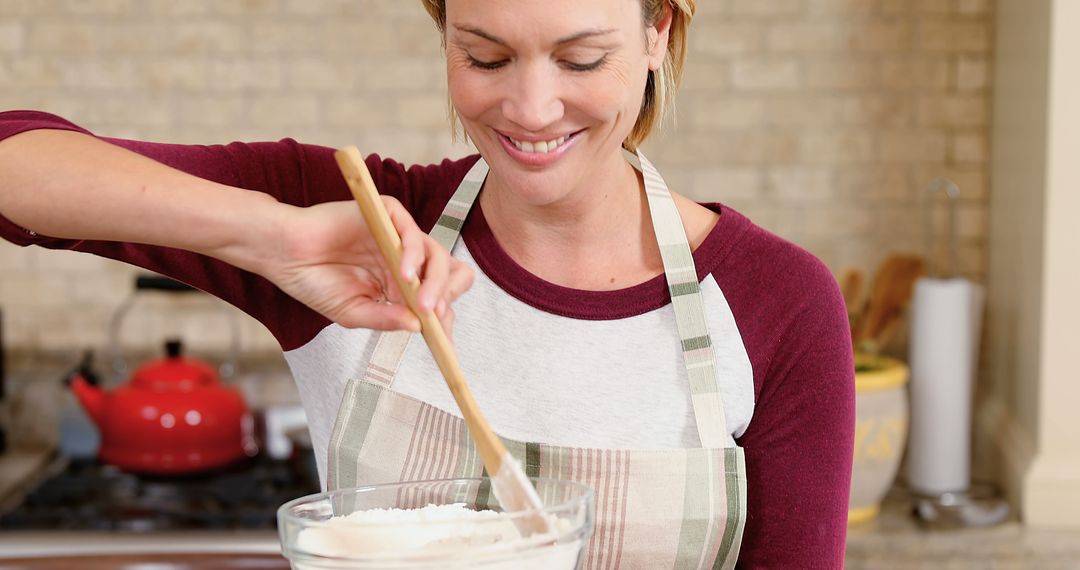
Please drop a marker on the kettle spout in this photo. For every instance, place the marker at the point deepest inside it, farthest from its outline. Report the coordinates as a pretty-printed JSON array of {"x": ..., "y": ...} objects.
[{"x": 90, "y": 396}]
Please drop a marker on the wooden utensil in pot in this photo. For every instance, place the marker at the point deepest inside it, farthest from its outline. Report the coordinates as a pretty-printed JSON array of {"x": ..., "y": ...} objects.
[
  {"x": 508, "y": 481},
  {"x": 851, "y": 286},
  {"x": 889, "y": 295}
]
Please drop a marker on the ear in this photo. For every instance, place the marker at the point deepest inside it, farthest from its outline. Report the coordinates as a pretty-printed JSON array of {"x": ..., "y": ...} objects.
[{"x": 657, "y": 35}]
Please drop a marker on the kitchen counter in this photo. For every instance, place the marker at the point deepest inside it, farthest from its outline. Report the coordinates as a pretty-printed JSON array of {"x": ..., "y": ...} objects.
[
  {"x": 130, "y": 551},
  {"x": 19, "y": 468},
  {"x": 151, "y": 562},
  {"x": 895, "y": 540}
]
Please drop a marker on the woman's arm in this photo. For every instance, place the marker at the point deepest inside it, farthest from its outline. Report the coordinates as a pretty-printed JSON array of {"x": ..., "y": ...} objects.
[
  {"x": 71, "y": 185},
  {"x": 799, "y": 446},
  {"x": 800, "y": 440}
]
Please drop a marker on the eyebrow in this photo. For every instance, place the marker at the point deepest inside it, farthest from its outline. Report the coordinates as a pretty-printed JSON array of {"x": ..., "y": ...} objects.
[{"x": 568, "y": 39}]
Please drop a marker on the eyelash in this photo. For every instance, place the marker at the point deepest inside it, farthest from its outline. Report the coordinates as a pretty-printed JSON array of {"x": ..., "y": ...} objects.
[
  {"x": 485, "y": 65},
  {"x": 594, "y": 66},
  {"x": 579, "y": 67}
]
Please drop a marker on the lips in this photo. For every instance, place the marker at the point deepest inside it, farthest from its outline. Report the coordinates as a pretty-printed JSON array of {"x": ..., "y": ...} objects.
[
  {"x": 537, "y": 153},
  {"x": 540, "y": 146}
]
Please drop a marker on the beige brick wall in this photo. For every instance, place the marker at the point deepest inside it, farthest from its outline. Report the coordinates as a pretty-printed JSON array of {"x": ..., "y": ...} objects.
[{"x": 821, "y": 119}]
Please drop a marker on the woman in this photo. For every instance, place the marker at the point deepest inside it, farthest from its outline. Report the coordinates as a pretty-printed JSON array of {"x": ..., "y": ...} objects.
[{"x": 707, "y": 398}]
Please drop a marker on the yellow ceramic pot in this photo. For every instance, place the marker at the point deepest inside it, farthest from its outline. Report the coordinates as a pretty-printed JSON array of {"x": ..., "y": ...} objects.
[{"x": 881, "y": 431}]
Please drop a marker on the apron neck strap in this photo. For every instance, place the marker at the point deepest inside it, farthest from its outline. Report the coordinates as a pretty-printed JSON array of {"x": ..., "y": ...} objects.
[
  {"x": 448, "y": 227},
  {"x": 682, "y": 280}
]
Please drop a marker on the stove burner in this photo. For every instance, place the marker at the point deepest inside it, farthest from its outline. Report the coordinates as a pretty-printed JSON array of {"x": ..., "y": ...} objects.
[{"x": 87, "y": 495}]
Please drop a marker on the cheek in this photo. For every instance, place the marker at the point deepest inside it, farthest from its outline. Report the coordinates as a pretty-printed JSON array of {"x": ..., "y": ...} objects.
[
  {"x": 610, "y": 94},
  {"x": 471, "y": 93},
  {"x": 618, "y": 95}
]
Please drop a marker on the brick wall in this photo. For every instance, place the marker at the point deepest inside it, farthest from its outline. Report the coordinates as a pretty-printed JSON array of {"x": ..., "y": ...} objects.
[{"x": 821, "y": 119}]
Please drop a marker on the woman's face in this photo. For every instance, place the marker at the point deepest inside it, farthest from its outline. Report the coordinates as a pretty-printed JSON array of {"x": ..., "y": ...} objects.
[{"x": 549, "y": 89}]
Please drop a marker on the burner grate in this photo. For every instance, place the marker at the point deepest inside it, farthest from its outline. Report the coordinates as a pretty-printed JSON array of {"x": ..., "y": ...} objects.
[{"x": 87, "y": 495}]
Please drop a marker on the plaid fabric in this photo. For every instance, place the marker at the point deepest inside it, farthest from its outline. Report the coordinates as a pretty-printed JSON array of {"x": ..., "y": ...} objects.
[
  {"x": 448, "y": 226},
  {"x": 689, "y": 312},
  {"x": 357, "y": 409},
  {"x": 655, "y": 508}
]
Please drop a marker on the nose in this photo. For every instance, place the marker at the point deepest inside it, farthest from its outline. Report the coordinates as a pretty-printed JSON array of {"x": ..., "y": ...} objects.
[{"x": 533, "y": 100}]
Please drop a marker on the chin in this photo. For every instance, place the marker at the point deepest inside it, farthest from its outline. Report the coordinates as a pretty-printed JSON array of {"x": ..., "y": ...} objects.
[{"x": 536, "y": 187}]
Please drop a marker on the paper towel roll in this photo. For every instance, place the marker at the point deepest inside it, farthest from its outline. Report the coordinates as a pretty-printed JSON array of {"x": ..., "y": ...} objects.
[{"x": 945, "y": 324}]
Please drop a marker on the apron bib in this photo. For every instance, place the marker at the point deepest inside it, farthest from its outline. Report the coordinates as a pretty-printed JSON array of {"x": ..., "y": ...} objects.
[{"x": 655, "y": 508}]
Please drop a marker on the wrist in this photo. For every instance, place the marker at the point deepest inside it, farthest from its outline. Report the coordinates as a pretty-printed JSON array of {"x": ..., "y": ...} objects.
[{"x": 254, "y": 233}]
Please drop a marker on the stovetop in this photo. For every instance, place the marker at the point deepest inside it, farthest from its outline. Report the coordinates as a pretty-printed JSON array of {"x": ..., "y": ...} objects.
[{"x": 87, "y": 495}]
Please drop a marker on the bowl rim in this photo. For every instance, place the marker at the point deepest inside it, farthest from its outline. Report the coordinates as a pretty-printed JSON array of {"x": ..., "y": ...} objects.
[{"x": 286, "y": 517}]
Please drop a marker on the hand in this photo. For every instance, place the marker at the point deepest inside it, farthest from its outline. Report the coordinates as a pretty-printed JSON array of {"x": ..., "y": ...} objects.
[{"x": 327, "y": 259}]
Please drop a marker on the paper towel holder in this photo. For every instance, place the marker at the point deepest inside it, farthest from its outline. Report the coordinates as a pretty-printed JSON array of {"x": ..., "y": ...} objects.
[
  {"x": 952, "y": 194},
  {"x": 978, "y": 505}
]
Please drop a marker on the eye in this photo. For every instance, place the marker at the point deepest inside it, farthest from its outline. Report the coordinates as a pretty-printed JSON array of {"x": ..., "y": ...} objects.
[
  {"x": 572, "y": 66},
  {"x": 486, "y": 65}
]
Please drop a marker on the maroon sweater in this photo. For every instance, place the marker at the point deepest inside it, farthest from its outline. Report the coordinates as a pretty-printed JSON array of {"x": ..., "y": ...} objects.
[{"x": 789, "y": 312}]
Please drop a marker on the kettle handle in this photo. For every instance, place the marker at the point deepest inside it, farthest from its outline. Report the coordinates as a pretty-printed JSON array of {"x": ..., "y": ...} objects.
[
  {"x": 149, "y": 283},
  {"x": 84, "y": 369},
  {"x": 161, "y": 283}
]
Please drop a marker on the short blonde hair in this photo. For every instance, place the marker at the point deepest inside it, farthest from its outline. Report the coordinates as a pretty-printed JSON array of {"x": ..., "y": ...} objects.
[{"x": 662, "y": 84}]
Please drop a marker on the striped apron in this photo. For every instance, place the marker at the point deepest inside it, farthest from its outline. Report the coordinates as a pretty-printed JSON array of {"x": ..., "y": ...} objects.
[{"x": 655, "y": 508}]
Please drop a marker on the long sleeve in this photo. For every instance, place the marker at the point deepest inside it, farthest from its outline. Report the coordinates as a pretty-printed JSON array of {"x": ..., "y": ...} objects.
[
  {"x": 291, "y": 172},
  {"x": 800, "y": 441}
]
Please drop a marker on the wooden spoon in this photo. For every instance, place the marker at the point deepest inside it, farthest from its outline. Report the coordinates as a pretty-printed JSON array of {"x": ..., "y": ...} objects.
[
  {"x": 889, "y": 295},
  {"x": 512, "y": 488},
  {"x": 851, "y": 286}
]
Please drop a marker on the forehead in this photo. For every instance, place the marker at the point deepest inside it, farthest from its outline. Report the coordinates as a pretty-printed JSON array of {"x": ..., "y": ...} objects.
[{"x": 543, "y": 19}]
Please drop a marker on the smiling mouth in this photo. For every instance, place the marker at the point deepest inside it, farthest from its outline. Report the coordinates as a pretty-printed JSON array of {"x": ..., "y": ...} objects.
[{"x": 539, "y": 147}]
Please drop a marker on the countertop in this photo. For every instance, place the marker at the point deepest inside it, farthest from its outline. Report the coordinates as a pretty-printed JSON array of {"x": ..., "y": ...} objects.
[
  {"x": 131, "y": 551},
  {"x": 22, "y": 468},
  {"x": 19, "y": 469},
  {"x": 896, "y": 541},
  {"x": 157, "y": 550},
  {"x": 151, "y": 562}
]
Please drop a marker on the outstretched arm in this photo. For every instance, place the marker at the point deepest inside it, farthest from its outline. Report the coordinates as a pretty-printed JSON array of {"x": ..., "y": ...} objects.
[{"x": 71, "y": 185}]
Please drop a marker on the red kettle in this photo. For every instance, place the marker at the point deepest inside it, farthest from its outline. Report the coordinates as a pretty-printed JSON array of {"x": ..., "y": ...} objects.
[{"x": 173, "y": 416}]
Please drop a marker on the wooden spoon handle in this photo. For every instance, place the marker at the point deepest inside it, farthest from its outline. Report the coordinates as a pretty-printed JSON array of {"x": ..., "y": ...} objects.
[{"x": 492, "y": 451}]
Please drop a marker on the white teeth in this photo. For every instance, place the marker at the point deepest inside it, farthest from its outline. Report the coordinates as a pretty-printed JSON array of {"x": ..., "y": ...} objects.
[{"x": 539, "y": 147}]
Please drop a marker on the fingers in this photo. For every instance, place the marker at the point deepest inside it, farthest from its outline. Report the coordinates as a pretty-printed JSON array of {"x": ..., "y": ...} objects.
[
  {"x": 380, "y": 316},
  {"x": 412, "y": 238},
  {"x": 446, "y": 318},
  {"x": 436, "y": 275},
  {"x": 460, "y": 280},
  {"x": 443, "y": 278}
]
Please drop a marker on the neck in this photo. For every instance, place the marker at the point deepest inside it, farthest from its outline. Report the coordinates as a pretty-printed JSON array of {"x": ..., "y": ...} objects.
[{"x": 597, "y": 236}]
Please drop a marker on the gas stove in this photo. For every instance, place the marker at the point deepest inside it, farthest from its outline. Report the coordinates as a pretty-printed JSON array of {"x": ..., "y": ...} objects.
[{"x": 90, "y": 496}]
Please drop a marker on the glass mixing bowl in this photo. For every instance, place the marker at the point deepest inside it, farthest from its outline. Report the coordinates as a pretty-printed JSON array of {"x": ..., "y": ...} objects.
[{"x": 317, "y": 533}]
